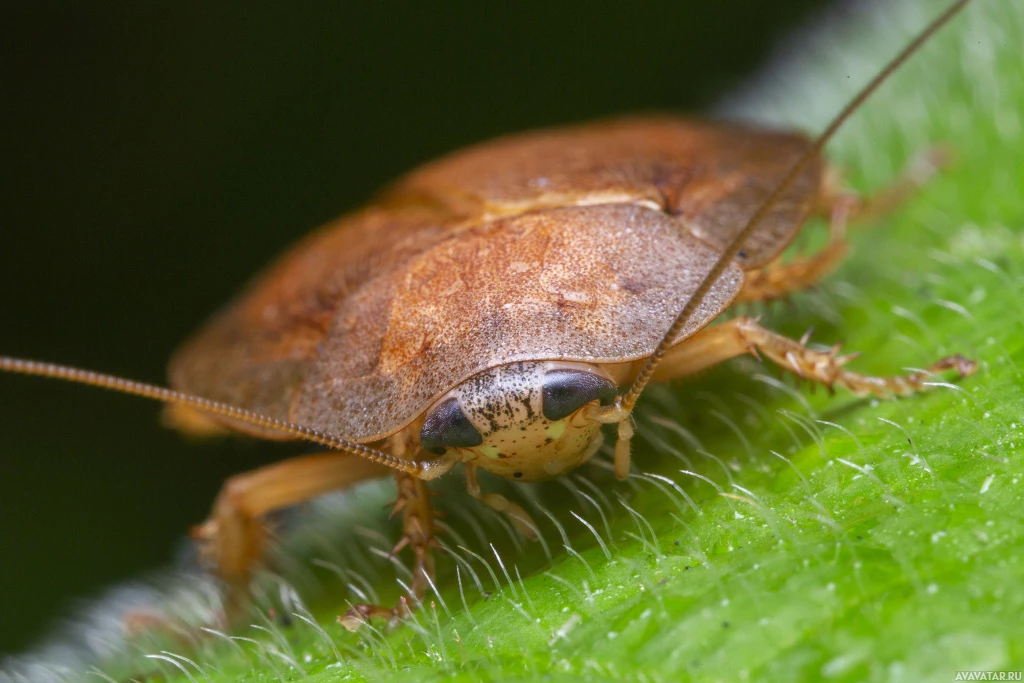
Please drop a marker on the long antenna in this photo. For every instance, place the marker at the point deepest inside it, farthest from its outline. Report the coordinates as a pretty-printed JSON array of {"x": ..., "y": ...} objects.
[
  {"x": 629, "y": 399},
  {"x": 20, "y": 366}
]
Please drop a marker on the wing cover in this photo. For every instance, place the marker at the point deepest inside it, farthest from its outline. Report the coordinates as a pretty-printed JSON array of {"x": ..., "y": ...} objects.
[
  {"x": 256, "y": 352},
  {"x": 597, "y": 283},
  {"x": 713, "y": 176},
  {"x": 574, "y": 244}
]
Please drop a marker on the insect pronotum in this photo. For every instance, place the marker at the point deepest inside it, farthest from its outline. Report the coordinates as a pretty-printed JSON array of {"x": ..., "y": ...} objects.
[{"x": 495, "y": 308}]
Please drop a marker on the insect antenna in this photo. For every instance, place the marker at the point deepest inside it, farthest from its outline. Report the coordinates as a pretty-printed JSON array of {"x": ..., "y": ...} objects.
[
  {"x": 629, "y": 399},
  {"x": 20, "y": 366}
]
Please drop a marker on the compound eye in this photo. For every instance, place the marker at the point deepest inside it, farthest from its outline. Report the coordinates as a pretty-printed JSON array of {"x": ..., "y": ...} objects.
[
  {"x": 566, "y": 391},
  {"x": 447, "y": 427}
]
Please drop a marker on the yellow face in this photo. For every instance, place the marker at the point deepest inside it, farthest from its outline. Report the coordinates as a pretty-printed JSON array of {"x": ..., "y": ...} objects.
[{"x": 524, "y": 421}]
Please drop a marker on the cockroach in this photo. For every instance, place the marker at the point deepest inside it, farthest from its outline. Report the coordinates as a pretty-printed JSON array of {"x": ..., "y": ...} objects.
[{"x": 495, "y": 308}]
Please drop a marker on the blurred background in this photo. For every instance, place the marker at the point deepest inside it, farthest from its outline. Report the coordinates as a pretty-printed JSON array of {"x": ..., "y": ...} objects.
[{"x": 155, "y": 155}]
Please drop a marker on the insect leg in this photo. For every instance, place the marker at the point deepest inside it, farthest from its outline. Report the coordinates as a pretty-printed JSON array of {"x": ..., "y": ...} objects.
[
  {"x": 234, "y": 536},
  {"x": 915, "y": 175},
  {"x": 413, "y": 501},
  {"x": 715, "y": 344},
  {"x": 776, "y": 281},
  {"x": 516, "y": 514},
  {"x": 191, "y": 422},
  {"x": 417, "y": 528}
]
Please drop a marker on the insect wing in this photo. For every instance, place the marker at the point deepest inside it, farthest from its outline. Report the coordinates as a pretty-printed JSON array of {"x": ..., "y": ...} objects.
[
  {"x": 712, "y": 176},
  {"x": 588, "y": 283}
]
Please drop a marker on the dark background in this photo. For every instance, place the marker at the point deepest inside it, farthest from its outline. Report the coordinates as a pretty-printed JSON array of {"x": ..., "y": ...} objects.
[{"x": 153, "y": 158}]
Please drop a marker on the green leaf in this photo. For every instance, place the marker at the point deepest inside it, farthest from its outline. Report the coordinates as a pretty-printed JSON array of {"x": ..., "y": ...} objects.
[{"x": 772, "y": 533}]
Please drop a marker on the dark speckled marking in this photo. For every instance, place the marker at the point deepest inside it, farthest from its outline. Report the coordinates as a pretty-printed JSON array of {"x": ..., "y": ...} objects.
[
  {"x": 504, "y": 397},
  {"x": 507, "y": 406}
]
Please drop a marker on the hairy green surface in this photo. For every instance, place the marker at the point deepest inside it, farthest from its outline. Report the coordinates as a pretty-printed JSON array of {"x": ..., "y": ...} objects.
[{"x": 768, "y": 532}]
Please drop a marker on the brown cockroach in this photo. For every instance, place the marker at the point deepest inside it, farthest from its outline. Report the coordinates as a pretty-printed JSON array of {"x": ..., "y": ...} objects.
[{"x": 497, "y": 307}]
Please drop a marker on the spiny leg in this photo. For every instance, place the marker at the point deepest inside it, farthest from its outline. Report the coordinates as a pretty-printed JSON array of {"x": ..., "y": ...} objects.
[
  {"x": 516, "y": 514},
  {"x": 413, "y": 501},
  {"x": 777, "y": 280},
  {"x": 715, "y": 344},
  {"x": 233, "y": 539}
]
